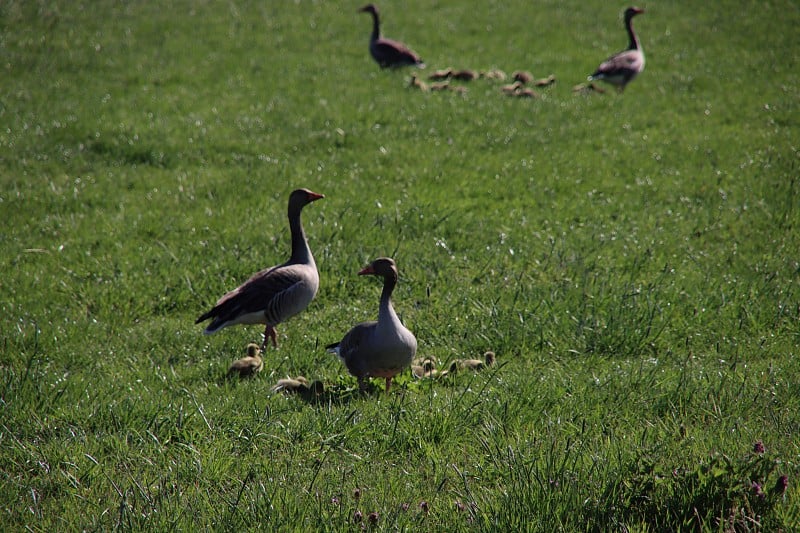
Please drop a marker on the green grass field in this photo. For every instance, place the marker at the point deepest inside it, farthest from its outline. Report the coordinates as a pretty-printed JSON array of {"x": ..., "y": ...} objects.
[{"x": 633, "y": 260}]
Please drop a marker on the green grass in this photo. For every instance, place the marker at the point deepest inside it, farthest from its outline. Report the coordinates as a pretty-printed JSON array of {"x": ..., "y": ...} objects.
[{"x": 632, "y": 259}]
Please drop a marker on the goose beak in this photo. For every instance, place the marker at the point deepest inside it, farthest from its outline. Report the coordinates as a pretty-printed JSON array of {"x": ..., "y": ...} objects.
[
  {"x": 312, "y": 196},
  {"x": 366, "y": 270}
]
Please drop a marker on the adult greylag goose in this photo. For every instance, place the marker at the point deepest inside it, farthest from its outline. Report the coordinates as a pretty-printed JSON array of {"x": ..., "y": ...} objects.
[
  {"x": 382, "y": 348},
  {"x": 249, "y": 365},
  {"x": 386, "y": 52},
  {"x": 620, "y": 69},
  {"x": 274, "y": 294}
]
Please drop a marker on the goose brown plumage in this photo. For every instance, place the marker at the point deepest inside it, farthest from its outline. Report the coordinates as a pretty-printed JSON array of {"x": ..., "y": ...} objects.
[
  {"x": 620, "y": 69},
  {"x": 381, "y": 348},
  {"x": 274, "y": 294},
  {"x": 387, "y": 52}
]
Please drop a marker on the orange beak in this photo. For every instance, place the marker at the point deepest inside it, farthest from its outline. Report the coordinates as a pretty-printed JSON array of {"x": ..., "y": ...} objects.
[{"x": 366, "y": 270}]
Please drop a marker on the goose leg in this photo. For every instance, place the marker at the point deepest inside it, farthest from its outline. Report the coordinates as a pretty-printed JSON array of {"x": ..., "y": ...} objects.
[
  {"x": 388, "y": 384},
  {"x": 269, "y": 332}
]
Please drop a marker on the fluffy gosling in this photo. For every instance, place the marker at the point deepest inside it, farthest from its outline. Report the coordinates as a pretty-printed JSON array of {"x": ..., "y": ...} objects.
[
  {"x": 545, "y": 82},
  {"x": 522, "y": 76},
  {"x": 249, "y": 365}
]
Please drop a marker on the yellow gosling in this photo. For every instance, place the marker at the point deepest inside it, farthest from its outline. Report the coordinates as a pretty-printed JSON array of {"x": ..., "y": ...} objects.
[{"x": 249, "y": 365}]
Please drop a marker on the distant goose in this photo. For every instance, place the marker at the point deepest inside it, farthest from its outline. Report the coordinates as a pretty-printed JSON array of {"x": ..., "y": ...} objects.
[
  {"x": 620, "y": 69},
  {"x": 386, "y": 52},
  {"x": 247, "y": 366},
  {"x": 378, "y": 349},
  {"x": 274, "y": 294}
]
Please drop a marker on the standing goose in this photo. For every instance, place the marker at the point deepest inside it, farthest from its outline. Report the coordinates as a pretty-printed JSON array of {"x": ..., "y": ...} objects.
[
  {"x": 274, "y": 294},
  {"x": 386, "y": 52},
  {"x": 378, "y": 349},
  {"x": 620, "y": 69}
]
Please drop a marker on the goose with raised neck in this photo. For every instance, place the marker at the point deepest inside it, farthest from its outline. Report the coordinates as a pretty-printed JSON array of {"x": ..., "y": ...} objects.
[
  {"x": 387, "y": 52},
  {"x": 274, "y": 294},
  {"x": 381, "y": 348},
  {"x": 620, "y": 69}
]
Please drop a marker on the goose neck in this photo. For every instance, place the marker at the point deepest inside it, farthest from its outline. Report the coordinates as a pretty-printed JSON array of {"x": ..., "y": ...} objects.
[
  {"x": 376, "y": 27},
  {"x": 301, "y": 253},
  {"x": 633, "y": 40},
  {"x": 386, "y": 310}
]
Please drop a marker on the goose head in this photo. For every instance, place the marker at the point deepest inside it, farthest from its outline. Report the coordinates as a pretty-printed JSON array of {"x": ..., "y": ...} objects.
[
  {"x": 369, "y": 8},
  {"x": 301, "y": 198},
  {"x": 632, "y": 12},
  {"x": 383, "y": 266}
]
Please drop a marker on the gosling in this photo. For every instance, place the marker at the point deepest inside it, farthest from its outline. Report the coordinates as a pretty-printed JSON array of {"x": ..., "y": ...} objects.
[{"x": 248, "y": 366}]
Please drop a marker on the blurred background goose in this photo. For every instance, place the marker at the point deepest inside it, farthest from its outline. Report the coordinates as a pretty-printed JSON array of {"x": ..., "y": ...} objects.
[
  {"x": 620, "y": 69},
  {"x": 386, "y": 52}
]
